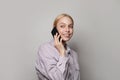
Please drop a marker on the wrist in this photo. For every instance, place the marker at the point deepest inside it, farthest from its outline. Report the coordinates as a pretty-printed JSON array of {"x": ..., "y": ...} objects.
[{"x": 62, "y": 53}]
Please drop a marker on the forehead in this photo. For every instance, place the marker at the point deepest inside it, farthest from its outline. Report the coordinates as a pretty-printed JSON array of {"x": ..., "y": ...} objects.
[{"x": 65, "y": 20}]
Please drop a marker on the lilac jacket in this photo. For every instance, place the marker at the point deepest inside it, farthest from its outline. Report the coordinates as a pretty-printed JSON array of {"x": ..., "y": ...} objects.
[{"x": 51, "y": 66}]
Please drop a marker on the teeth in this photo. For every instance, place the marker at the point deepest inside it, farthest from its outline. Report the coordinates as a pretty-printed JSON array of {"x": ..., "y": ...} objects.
[{"x": 66, "y": 35}]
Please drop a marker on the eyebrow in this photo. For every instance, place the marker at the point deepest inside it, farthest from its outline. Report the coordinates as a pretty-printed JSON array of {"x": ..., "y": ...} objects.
[{"x": 64, "y": 23}]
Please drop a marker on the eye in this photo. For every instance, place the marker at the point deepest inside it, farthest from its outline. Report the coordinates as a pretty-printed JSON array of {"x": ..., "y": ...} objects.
[
  {"x": 62, "y": 26},
  {"x": 70, "y": 26}
]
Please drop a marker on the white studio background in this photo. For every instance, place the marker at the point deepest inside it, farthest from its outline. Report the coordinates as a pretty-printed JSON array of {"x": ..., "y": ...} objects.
[{"x": 25, "y": 24}]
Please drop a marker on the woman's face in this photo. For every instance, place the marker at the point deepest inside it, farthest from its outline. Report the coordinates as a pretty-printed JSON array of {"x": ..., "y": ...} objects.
[{"x": 65, "y": 28}]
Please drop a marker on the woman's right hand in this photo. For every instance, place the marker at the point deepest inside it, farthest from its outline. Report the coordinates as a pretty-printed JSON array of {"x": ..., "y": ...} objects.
[{"x": 59, "y": 45}]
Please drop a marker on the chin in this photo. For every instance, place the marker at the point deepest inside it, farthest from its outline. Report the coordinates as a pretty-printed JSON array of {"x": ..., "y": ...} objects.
[{"x": 66, "y": 39}]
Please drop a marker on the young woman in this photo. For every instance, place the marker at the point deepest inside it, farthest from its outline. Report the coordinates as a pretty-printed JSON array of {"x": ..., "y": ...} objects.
[{"x": 56, "y": 60}]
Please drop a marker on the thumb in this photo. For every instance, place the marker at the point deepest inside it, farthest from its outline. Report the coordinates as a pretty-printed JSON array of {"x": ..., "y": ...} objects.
[{"x": 61, "y": 40}]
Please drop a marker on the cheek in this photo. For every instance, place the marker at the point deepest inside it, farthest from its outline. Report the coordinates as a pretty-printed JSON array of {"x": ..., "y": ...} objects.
[
  {"x": 60, "y": 31},
  {"x": 71, "y": 31}
]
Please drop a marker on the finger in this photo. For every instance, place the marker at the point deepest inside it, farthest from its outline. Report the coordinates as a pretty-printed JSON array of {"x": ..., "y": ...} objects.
[
  {"x": 61, "y": 40},
  {"x": 58, "y": 36},
  {"x": 55, "y": 35},
  {"x": 55, "y": 38}
]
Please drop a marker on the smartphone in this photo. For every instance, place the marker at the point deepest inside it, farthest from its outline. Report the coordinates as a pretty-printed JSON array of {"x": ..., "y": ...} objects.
[{"x": 54, "y": 31}]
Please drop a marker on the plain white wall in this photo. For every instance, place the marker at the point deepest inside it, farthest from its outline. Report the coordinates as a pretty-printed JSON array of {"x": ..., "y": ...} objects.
[{"x": 25, "y": 24}]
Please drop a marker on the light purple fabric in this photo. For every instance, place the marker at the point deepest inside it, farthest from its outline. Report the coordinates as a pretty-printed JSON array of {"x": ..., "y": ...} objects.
[{"x": 51, "y": 66}]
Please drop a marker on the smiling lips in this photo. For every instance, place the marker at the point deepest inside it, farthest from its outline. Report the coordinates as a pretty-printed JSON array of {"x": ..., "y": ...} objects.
[{"x": 66, "y": 35}]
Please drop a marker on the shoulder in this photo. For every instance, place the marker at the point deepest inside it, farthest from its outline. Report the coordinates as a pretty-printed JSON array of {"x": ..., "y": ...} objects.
[
  {"x": 46, "y": 45},
  {"x": 47, "y": 49},
  {"x": 44, "y": 49}
]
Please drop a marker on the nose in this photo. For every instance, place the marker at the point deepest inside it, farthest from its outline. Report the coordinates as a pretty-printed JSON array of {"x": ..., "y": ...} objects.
[{"x": 67, "y": 29}]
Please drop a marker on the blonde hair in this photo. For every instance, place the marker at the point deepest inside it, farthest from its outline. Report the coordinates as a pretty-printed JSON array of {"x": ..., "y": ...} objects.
[{"x": 61, "y": 16}]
